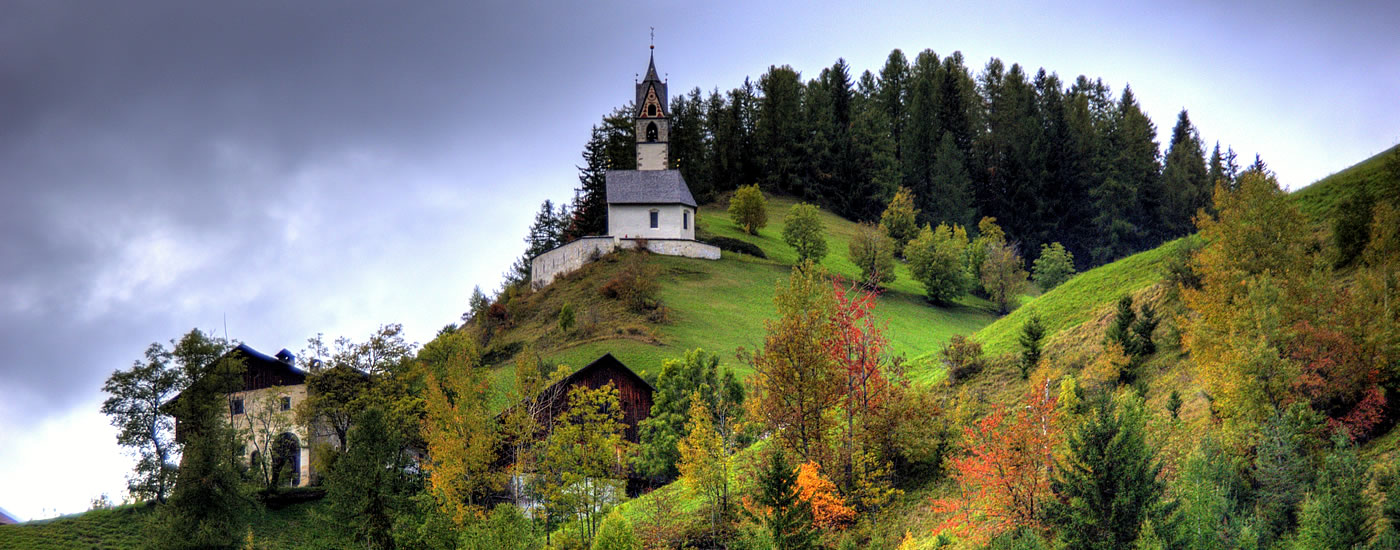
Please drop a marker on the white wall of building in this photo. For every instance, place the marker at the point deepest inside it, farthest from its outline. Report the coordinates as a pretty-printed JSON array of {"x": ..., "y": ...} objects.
[
  {"x": 633, "y": 221},
  {"x": 651, "y": 156}
]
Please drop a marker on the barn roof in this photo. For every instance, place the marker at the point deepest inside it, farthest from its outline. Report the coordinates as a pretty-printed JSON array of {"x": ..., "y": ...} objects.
[
  {"x": 607, "y": 361},
  {"x": 648, "y": 187}
]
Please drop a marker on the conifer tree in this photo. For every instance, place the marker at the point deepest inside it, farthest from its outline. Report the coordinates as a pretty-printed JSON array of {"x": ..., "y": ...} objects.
[
  {"x": 919, "y": 141},
  {"x": 1054, "y": 266},
  {"x": 1120, "y": 330},
  {"x": 782, "y": 513},
  {"x": 1031, "y": 334},
  {"x": 1107, "y": 485},
  {"x": 690, "y": 145},
  {"x": 1282, "y": 474},
  {"x": 680, "y": 379},
  {"x": 1184, "y": 179},
  {"x": 1335, "y": 514},
  {"x": 950, "y": 185},
  {"x": 779, "y": 130},
  {"x": 890, "y": 97},
  {"x": 369, "y": 486},
  {"x": 207, "y": 508}
]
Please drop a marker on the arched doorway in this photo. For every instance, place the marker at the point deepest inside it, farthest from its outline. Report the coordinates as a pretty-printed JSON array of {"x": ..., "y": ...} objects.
[{"x": 286, "y": 460}]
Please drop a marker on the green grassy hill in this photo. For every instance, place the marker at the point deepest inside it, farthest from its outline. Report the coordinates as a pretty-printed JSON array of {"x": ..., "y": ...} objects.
[
  {"x": 128, "y": 527},
  {"x": 720, "y": 305}
]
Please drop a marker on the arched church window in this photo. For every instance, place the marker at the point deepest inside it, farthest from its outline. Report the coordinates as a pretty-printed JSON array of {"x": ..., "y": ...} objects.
[
  {"x": 651, "y": 131},
  {"x": 651, "y": 110}
]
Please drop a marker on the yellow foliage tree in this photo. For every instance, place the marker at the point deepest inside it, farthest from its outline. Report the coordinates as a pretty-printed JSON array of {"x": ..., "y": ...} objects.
[
  {"x": 704, "y": 464},
  {"x": 462, "y": 435},
  {"x": 829, "y": 510},
  {"x": 1255, "y": 272}
]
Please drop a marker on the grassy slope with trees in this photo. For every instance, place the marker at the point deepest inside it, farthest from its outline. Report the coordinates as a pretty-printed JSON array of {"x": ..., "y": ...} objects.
[{"x": 720, "y": 305}]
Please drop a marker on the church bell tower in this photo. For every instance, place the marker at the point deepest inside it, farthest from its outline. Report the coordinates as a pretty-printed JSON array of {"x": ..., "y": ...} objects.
[{"x": 653, "y": 121}]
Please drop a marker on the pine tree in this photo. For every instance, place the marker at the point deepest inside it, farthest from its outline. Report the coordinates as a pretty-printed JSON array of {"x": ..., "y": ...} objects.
[
  {"x": 919, "y": 141},
  {"x": 690, "y": 144},
  {"x": 1185, "y": 179},
  {"x": 1335, "y": 514},
  {"x": 1031, "y": 334},
  {"x": 1120, "y": 330},
  {"x": 1107, "y": 485},
  {"x": 1282, "y": 474},
  {"x": 782, "y": 513},
  {"x": 950, "y": 185},
  {"x": 368, "y": 486},
  {"x": 591, "y": 196},
  {"x": 779, "y": 130},
  {"x": 890, "y": 97}
]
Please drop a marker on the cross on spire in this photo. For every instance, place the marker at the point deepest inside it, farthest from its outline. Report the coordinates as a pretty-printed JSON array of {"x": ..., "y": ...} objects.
[{"x": 653, "y": 38}]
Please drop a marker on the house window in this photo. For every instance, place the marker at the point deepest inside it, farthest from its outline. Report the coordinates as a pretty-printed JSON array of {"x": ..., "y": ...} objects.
[
  {"x": 286, "y": 403},
  {"x": 685, "y": 220},
  {"x": 237, "y": 406},
  {"x": 655, "y": 219}
]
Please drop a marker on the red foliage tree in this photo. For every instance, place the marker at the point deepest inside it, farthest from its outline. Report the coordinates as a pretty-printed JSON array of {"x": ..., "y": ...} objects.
[
  {"x": 1337, "y": 379},
  {"x": 1004, "y": 476}
]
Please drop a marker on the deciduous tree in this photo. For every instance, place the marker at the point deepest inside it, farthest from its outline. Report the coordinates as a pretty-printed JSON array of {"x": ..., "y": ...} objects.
[
  {"x": 1003, "y": 277},
  {"x": 936, "y": 260},
  {"x": 898, "y": 219},
  {"x": 461, "y": 433},
  {"x": 794, "y": 379},
  {"x": 134, "y": 406},
  {"x": 1054, "y": 266},
  {"x": 804, "y": 232},
  {"x": 873, "y": 252},
  {"x": 748, "y": 209},
  {"x": 1004, "y": 475}
]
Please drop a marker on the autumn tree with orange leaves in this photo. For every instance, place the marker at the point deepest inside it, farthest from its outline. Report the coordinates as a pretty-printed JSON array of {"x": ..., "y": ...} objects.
[
  {"x": 1004, "y": 475},
  {"x": 462, "y": 435},
  {"x": 829, "y": 510}
]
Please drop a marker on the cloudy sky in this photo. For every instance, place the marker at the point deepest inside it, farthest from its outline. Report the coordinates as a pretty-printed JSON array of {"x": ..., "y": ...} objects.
[{"x": 288, "y": 168}]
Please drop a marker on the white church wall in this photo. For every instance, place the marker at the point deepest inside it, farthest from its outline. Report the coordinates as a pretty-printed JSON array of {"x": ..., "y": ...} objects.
[
  {"x": 627, "y": 221},
  {"x": 651, "y": 156},
  {"x": 545, "y": 267}
]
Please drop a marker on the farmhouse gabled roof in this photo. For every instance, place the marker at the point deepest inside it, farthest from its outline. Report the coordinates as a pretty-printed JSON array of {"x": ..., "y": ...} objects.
[{"x": 648, "y": 187}]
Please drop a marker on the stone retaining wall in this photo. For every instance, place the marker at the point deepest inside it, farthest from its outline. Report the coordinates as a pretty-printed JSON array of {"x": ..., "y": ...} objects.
[{"x": 564, "y": 259}]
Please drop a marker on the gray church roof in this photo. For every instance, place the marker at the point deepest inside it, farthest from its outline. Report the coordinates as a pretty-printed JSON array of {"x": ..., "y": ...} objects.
[{"x": 648, "y": 187}]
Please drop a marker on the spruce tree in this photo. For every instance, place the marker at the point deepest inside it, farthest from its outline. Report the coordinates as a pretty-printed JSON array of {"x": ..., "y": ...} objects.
[
  {"x": 1282, "y": 475},
  {"x": 786, "y": 517},
  {"x": 1142, "y": 331},
  {"x": 1120, "y": 330},
  {"x": 591, "y": 196},
  {"x": 780, "y": 130},
  {"x": 368, "y": 486},
  {"x": 1107, "y": 485},
  {"x": 1185, "y": 179},
  {"x": 919, "y": 142},
  {"x": 890, "y": 92},
  {"x": 950, "y": 185},
  {"x": 1335, "y": 514},
  {"x": 1031, "y": 334},
  {"x": 690, "y": 146}
]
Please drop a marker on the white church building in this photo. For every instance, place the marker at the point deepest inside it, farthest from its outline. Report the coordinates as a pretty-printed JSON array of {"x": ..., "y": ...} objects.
[{"x": 649, "y": 207}]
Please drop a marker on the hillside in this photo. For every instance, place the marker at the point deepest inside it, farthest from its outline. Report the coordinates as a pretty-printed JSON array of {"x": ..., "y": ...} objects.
[
  {"x": 718, "y": 305},
  {"x": 128, "y": 526}
]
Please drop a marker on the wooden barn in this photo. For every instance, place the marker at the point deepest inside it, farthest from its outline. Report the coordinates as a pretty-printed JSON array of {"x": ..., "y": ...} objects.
[{"x": 634, "y": 393}]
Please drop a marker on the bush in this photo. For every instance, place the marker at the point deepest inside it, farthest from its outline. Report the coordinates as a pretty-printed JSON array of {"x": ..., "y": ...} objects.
[
  {"x": 735, "y": 245},
  {"x": 803, "y": 231},
  {"x": 505, "y": 529},
  {"x": 749, "y": 209},
  {"x": 1054, "y": 266},
  {"x": 616, "y": 534},
  {"x": 963, "y": 357},
  {"x": 635, "y": 284},
  {"x": 1002, "y": 277},
  {"x": 873, "y": 253},
  {"x": 566, "y": 317},
  {"x": 898, "y": 219},
  {"x": 936, "y": 260}
]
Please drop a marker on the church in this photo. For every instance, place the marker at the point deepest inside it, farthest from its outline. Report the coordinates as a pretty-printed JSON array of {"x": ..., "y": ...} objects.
[{"x": 650, "y": 207}]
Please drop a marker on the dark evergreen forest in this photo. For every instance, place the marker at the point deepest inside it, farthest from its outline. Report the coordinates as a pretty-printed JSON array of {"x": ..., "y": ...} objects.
[{"x": 1052, "y": 162}]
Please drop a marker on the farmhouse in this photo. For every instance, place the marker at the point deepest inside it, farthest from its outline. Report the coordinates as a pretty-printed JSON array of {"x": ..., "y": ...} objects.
[
  {"x": 650, "y": 207},
  {"x": 264, "y": 411}
]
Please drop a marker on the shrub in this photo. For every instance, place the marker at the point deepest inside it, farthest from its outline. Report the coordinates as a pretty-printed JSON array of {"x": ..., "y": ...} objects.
[
  {"x": 735, "y": 245},
  {"x": 566, "y": 317},
  {"x": 635, "y": 284},
  {"x": 936, "y": 260},
  {"x": 898, "y": 219},
  {"x": 963, "y": 357},
  {"x": 616, "y": 534},
  {"x": 873, "y": 253},
  {"x": 1002, "y": 276},
  {"x": 749, "y": 209},
  {"x": 803, "y": 231},
  {"x": 1054, "y": 266}
]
